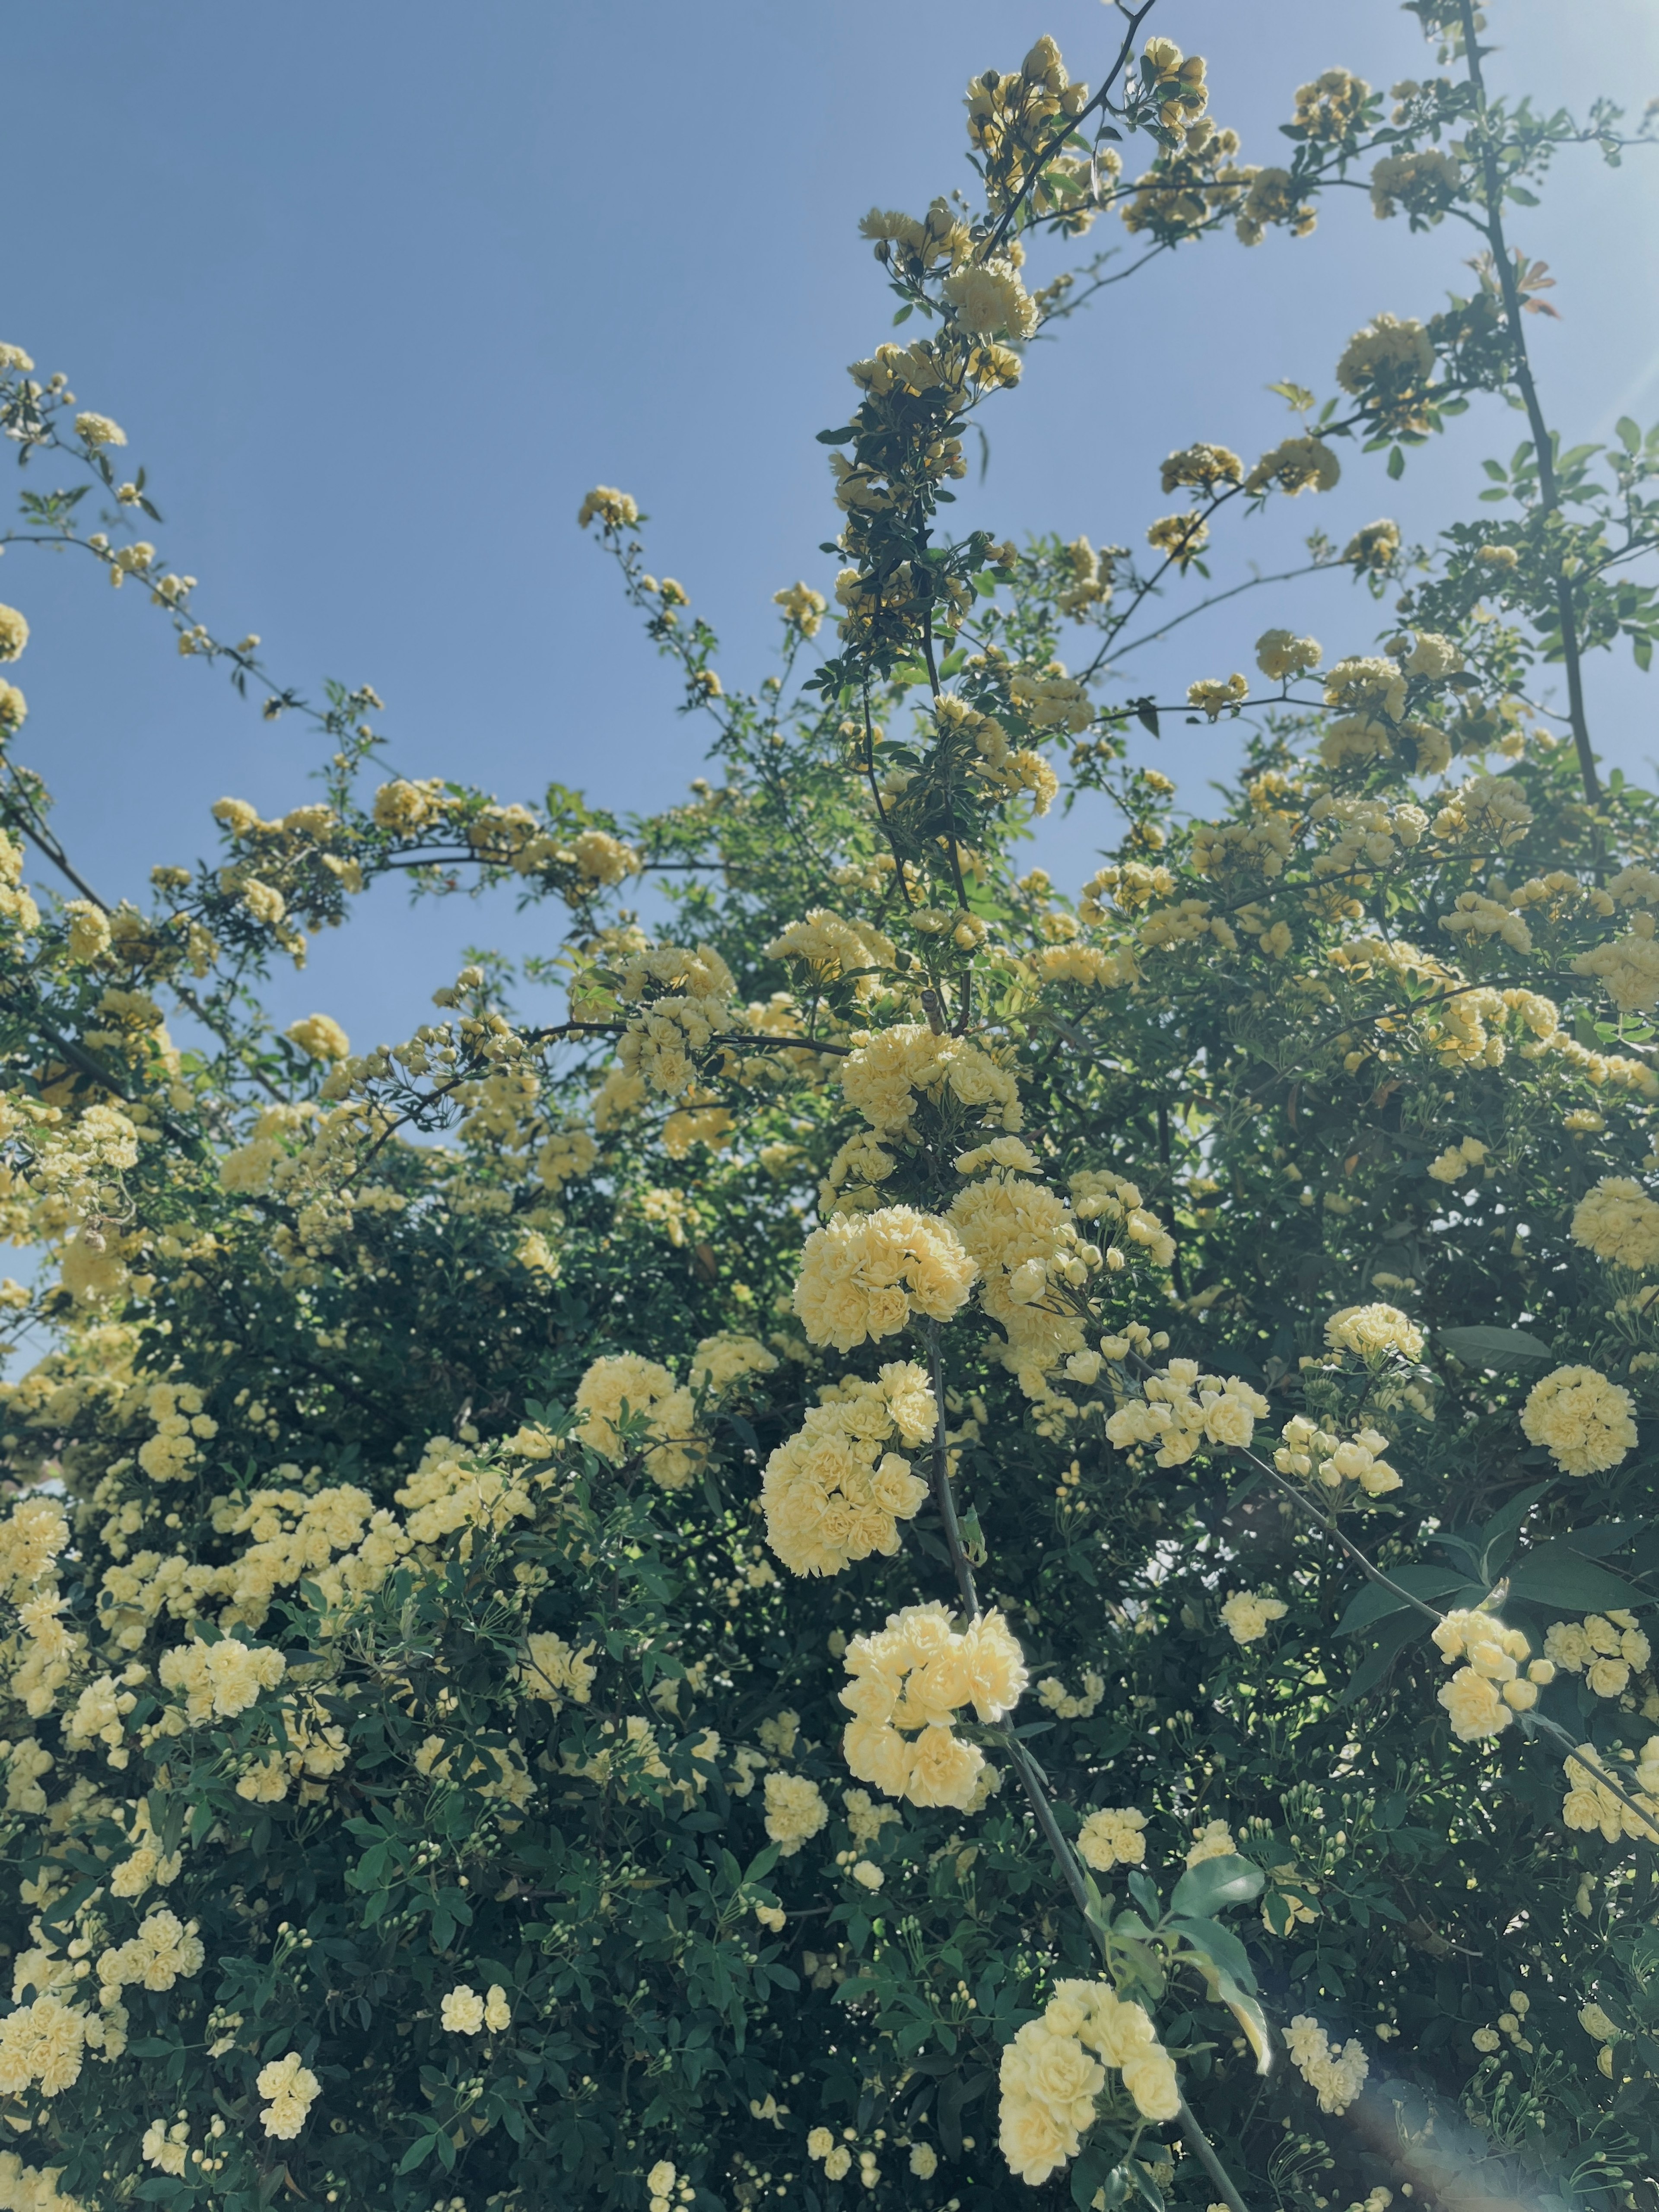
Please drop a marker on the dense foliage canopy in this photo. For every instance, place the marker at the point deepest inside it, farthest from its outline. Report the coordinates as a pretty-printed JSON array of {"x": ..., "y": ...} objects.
[{"x": 965, "y": 1544}]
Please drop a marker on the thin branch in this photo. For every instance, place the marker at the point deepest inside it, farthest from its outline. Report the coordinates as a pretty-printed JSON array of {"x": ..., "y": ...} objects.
[{"x": 1543, "y": 442}]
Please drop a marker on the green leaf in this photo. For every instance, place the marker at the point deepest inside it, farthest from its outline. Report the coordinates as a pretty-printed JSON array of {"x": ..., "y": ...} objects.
[
  {"x": 1145, "y": 1893},
  {"x": 838, "y": 437},
  {"x": 1393, "y": 1636},
  {"x": 904, "y": 314},
  {"x": 1089, "y": 2175},
  {"x": 1628, "y": 433},
  {"x": 1250, "y": 2017},
  {"x": 1497, "y": 1538},
  {"x": 417, "y": 2153},
  {"x": 1218, "y": 1944},
  {"x": 1396, "y": 462},
  {"x": 1215, "y": 1883},
  {"x": 1556, "y": 1575},
  {"x": 1487, "y": 1347}
]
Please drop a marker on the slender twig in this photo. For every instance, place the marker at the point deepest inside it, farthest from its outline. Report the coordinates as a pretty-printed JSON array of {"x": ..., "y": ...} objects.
[
  {"x": 1034, "y": 168},
  {"x": 1207, "y": 2159},
  {"x": 1542, "y": 441}
]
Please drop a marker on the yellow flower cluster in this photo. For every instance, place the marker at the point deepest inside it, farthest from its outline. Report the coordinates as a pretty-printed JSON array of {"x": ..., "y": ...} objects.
[
  {"x": 1049, "y": 699},
  {"x": 613, "y": 509},
  {"x": 1603, "y": 1649},
  {"x": 885, "y": 1078},
  {"x": 1627, "y": 966},
  {"x": 296, "y": 1536},
  {"x": 1021, "y": 1237},
  {"x": 1375, "y": 548},
  {"x": 164, "y": 1950},
  {"x": 1591, "y": 1804},
  {"x": 42, "y": 2044},
  {"x": 1391, "y": 355},
  {"x": 1374, "y": 1332},
  {"x": 1281, "y": 655},
  {"x": 802, "y": 606},
  {"x": 1454, "y": 1164},
  {"x": 628, "y": 1382},
  {"x": 833, "y": 948},
  {"x": 32, "y": 2188},
  {"x": 1488, "y": 1690},
  {"x": 1330, "y": 106},
  {"x": 1211, "y": 695},
  {"x": 1296, "y": 465},
  {"x": 290, "y": 2089},
  {"x": 664, "y": 2177},
  {"x": 1336, "y": 2076},
  {"x": 1065, "y": 1706},
  {"x": 1180, "y": 538},
  {"x": 565, "y": 1157},
  {"x": 1087, "y": 964},
  {"x": 1012, "y": 115},
  {"x": 1424, "y": 184},
  {"x": 1090, "y": 588},
  {"x": 320, "y": 1037},
  {"x": 464, "y": 2012},
  {"x": 990, "y": 301},
  {"x": 863, "y": 1275},
  {"x": 832, "y": 1494},
  {"x": 1309, "y": 1449},
  {"x": 1054, "y": 2068},
  {"x": 1476, "y": 915},
  {"x": 1113, "y": 1837},
  {"x": 180, "y": 1426},
  {"x": 554, "y": 1671},
  {"x": 15, "y": 904},
  {"x": 1248, "y": 1616},
  {"x": 1202, "y": 467},
  {"x": 1486, "y": 806},
  {"x": 1181, "y": 1410},
  {"x": 795, "y": 1811},
  {"x": 219, "y": 1680},
  {"x": 1585, "y": 1421},
  {"x": 1618, "y": 1221},
  {"x": 909, "y": 1681}
]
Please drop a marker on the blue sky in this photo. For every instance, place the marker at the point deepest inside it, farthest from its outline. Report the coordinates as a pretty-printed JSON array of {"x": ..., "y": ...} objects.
[{"x": 377, "y": 292}]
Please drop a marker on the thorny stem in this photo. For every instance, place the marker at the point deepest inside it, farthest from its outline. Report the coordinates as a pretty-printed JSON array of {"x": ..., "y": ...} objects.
[
  {"x": 1024, "y": 1765},
  {"x": 1543, "y": 443}
]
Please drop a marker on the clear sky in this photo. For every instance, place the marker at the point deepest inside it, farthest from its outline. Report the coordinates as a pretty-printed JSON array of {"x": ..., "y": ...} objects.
[{"x": 378, "y": 291}]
